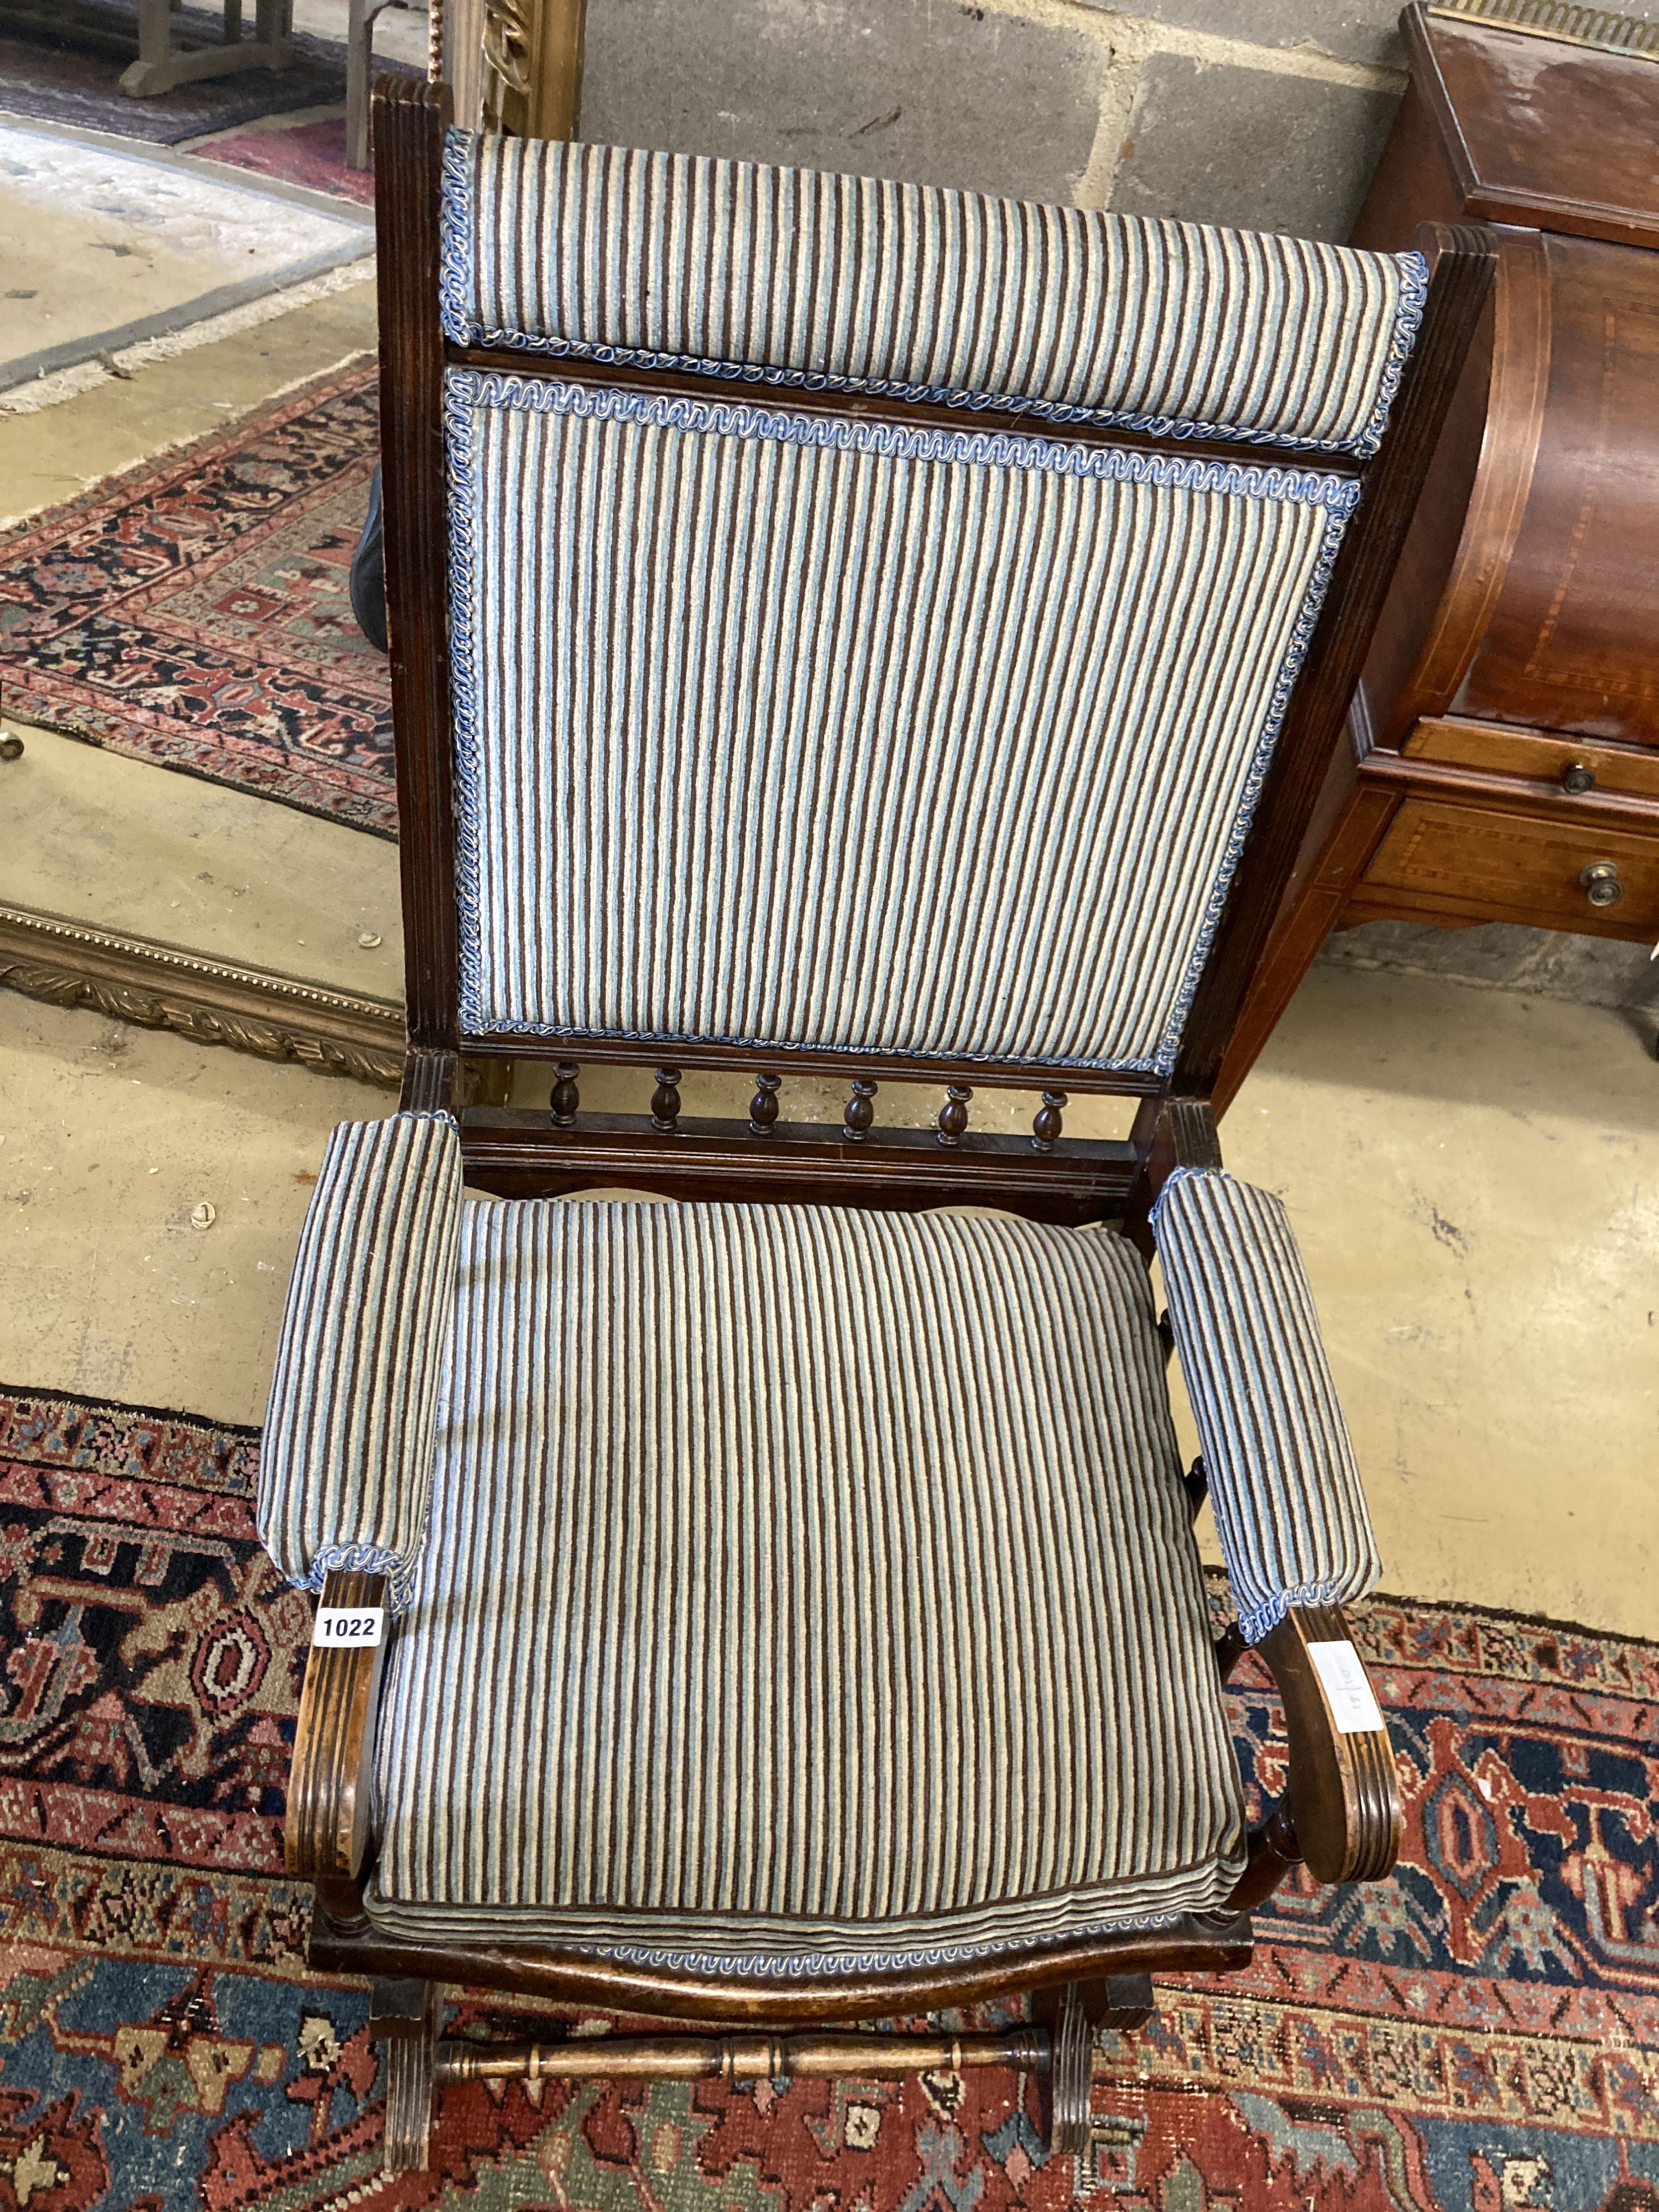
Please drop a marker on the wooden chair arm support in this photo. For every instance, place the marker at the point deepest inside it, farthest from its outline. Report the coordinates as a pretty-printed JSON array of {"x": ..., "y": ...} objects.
[
  {"x": 1344, "y": 1792},
  {"x": 327, "y": 1834},
  {"x": 1168, "y": 1134}
]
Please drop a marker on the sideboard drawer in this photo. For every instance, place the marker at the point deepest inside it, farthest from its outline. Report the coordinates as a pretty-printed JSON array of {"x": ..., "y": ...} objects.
[
  {"x": 1505, "y": 866},
  {"x": 1559, "y": 763}
]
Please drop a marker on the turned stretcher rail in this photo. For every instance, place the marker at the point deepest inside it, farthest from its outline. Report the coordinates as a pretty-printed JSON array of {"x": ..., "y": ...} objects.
[{"x": 739, "y": 2057}]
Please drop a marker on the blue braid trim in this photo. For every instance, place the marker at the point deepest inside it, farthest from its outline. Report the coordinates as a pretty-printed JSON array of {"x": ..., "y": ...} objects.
[
  {"x": 935, "y": 395},
  {"x": 364, "y": 1559},
  {"x": 473, "y": 389},
  {"x": 466, "y": 392},
  {"x": 1256, "y": 1620},
  {"x": 801, "y": 1965},
  {"x": 456, "y": 231},
  {"x": 1296, "y": 652},
  {"x": 1408, "y": 321},
  {"x": 459, "y": 418},
  {"x": 784, "y": 1965}
]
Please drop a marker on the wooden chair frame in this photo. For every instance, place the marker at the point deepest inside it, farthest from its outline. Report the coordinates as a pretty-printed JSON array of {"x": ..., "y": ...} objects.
[{"x": 1342, "y": 1814}]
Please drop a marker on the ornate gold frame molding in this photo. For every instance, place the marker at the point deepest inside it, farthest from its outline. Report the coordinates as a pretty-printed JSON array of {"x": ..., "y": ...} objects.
[
  {"x": 1571, "y": 25},
  {"x": 164, "y": 987},
  {"x": 516, "y": 65}
]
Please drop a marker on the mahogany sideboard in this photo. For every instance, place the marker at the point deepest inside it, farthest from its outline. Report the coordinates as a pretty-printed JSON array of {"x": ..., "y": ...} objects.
[{"x": 1503, "y": 753}]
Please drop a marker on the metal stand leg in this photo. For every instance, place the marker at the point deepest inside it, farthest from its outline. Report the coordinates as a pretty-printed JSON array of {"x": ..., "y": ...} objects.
[{"x": 402, "y": 2018}]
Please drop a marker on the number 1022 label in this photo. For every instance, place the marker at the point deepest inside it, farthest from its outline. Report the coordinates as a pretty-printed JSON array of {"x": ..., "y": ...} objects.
[{"x": 349, "y": 1627}]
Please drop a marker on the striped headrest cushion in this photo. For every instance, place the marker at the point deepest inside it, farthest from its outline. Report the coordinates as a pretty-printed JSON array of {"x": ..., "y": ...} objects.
[{"x": 858, "y": 284}]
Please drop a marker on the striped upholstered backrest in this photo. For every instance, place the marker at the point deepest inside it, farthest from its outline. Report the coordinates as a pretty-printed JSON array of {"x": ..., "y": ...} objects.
[{"x": 797, "y": 728}]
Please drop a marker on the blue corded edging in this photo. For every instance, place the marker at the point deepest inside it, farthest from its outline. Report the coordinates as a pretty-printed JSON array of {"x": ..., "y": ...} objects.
[
  {"x": 790, "y": 1965},
  {"x": 456, "y": 231},
  {"x": 459, "y": 407},
  {"x": 1408, "y": 321},
  {"x": 461, "y": 326},
  {"x": 1296, "y": 652},
  {"x": 364, "y": 1559},
  {"x": 468, "y": 391},
  {"x": 783, "y": 1965},
  {"x": 472, "y": 388},
  {"x": 1255, "y": 1621}
]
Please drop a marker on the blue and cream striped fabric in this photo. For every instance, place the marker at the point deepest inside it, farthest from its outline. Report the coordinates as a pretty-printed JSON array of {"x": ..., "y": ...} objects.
[
  {"x": 788, "y": 731},
  {"x": 1284, "y": 1483},
  {"x": 814, "y": 1590},
  {"x": 346, "y": 1467},
  {"x": 852, "y": 283}
]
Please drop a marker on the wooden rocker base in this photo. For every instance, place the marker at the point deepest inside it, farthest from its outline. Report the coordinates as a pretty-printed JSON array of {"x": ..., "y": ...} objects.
[
  {"x": 1058, "y": 2048},
  {"x": 346, "y": 1941},
  {"x": 403, "y": 2018}
]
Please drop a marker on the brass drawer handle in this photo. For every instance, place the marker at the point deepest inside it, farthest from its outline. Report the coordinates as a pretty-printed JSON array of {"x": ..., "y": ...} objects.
[
  {"x": 1601, "y": 884},
  {"x": 1576, "y": 778}
]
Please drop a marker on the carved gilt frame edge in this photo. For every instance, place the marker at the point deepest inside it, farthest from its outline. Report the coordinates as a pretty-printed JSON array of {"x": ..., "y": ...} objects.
[{"x": 166, "y": 987}]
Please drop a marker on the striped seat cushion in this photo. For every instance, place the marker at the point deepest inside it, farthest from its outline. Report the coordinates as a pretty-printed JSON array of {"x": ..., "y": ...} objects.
[
  {"x": 805, "y": 1587},
  {"x": 852, "y": 283},
  {"x": 1283, "y": 1482}
]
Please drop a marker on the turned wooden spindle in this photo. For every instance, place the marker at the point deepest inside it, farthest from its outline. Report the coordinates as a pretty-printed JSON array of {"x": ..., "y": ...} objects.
[
  {"x": 953, "y": 1115},
  {"x": 566, "y": 1099},
  {"x": 763, "y": 1106},
  {"x": 861, "y": 1112},
  {"x": 1045, "y": 1129},
  {"x": 665, "y": 1101}
]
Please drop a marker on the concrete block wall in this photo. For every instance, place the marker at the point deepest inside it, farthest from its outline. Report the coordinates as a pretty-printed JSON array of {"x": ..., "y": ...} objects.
[{"x": 1265, "y": 114}]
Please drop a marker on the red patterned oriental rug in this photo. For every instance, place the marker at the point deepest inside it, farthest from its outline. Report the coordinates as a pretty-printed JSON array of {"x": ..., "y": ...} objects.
[
  {"x": 195, "y": 611},
  {"x": 1480, "y": 2034}
]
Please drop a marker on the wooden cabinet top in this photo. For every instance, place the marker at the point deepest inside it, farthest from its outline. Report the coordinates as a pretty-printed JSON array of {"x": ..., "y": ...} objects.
[{"x": 1540, "y": 131}]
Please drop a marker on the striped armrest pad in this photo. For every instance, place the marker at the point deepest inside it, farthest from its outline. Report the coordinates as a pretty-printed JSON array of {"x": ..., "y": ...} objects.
[
  {"x": 1284, "y": 1484},
  {"x": 795, "y": 276},
  {"x": 345, "y": 1475}
]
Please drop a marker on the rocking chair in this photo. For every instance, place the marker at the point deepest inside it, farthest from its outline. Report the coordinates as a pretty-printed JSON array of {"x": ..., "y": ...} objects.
[{"x": 837, "y": 628}]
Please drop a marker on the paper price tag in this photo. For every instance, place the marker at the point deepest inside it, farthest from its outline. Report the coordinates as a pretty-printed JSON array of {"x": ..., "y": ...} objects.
[
  {"x": 347, "y": 1627},
  {"x": 1353, "y": 1707}
]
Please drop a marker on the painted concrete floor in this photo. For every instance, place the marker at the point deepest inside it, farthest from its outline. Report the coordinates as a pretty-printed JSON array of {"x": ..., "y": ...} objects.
[
  {"x": 107, "y": 841},
  {"x": 111, "y": 242},
  {"x": 1473, "y": 1173}
]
